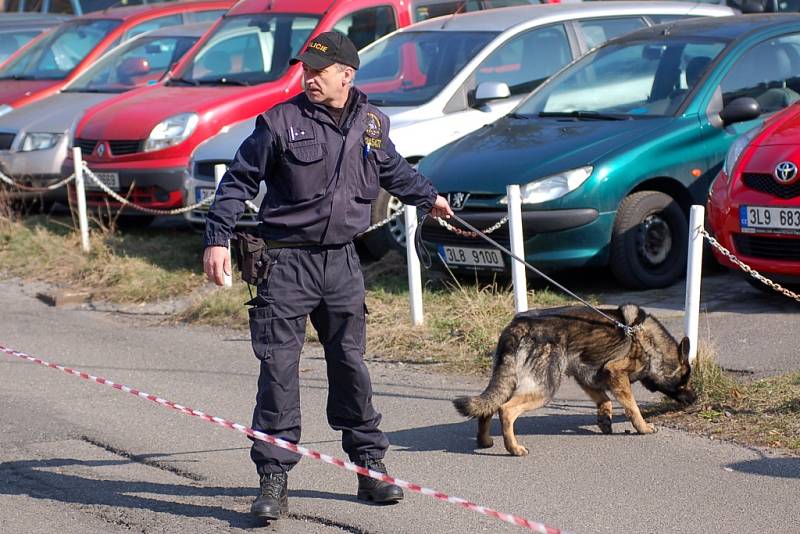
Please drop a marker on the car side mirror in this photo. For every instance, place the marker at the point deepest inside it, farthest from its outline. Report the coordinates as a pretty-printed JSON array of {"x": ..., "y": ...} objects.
[
  {"x": 752, "y": 6},
  {"x": 133, "y": 66},
  {"x": 741, "y": 109},
  {"x": 487, "y": 91}
]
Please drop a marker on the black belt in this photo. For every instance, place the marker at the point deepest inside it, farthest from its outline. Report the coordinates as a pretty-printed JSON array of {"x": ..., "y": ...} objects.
[{"x": 284, "y": 244}]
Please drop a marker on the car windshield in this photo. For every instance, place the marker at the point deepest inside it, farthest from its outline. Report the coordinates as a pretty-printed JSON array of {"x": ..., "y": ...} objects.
[
  {"x": 248, "y": 49},
  {"x": 11, "y": 41},
  {"x": 56, "y": 54},
  {"x": 139, "y": 62},
  {"x": 410, "y": 68},
  {"x": 628, "y": 80}
]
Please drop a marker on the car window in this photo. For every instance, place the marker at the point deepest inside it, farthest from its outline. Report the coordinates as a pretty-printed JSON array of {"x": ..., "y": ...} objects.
[
  {"x": 154, "y": 24},
  {"x": 427, "y": 9},
  {"x": 249, "y": 49},
  {"x": 367, "y": 25},
  {"x": 203, "y": 16},
  {"x": 410, "y": 68},
  {"x": 635, "y": 79},
  {"x": 55, "y": 55},
  {"x": 527, "y": 59},
  {"x": 137, "y": 63},
  {"x": 598, "y": 31},
  {"x": 768, "y": 72},
  {"x": 12, "y": 41}
]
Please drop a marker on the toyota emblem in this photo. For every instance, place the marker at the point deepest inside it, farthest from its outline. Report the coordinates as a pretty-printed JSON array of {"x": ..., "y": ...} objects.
[
  {"x": 785, "y": 172},
  {"x": 101, "y": 150}
]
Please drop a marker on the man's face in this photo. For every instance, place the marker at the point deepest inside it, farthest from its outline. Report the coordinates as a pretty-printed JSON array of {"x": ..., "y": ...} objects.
[{"x": 328, "y": 86}]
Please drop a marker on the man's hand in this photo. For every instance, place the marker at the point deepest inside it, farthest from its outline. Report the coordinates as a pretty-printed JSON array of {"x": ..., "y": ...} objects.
[
  {"x": 441, "y": 208},
  {"x": 216, "y": 264}
]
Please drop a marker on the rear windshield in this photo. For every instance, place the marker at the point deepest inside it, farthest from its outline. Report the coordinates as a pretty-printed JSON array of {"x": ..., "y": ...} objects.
[
  {"x": 410, "y": 68},
  {"x": 248, "y": 49},
  {"x": 57, "y": 53}
]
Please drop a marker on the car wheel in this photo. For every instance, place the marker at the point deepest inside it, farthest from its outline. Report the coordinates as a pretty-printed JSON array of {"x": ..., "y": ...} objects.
[
  {"x": 390, "y": 236},
  {"x": 649, "y": 240}
]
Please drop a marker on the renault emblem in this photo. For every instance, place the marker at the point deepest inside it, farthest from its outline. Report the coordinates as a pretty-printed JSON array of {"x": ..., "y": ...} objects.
[
  {"x": 101, "y": 150},
  {"x": 457, "y": 200},
  {"x": 785, "y": 172}
]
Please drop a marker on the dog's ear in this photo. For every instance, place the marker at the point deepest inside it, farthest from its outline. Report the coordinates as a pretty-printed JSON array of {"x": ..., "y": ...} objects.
[
  {"x": 632, "y": 314},
  {"x": 683, "y": 349}
]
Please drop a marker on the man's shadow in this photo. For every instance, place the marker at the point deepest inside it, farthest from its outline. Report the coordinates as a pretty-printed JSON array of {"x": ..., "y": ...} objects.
[{"x": 40, "y": 479}]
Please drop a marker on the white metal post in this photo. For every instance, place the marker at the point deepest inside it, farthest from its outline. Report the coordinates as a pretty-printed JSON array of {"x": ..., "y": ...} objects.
[
  {"x": 219, "y": 172},
  {"x": 80, "y": 192},
  {"x": 517, "y": 248},
  {"x": 414, "y": 274},
  {"x": 694, "y": 271}
]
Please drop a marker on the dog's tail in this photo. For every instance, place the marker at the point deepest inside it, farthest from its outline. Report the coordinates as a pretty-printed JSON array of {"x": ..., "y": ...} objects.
[{"x": 501, "y": 387}]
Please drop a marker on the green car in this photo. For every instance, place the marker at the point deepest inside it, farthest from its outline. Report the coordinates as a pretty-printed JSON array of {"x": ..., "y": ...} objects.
[{"x": 612, "y": 151}]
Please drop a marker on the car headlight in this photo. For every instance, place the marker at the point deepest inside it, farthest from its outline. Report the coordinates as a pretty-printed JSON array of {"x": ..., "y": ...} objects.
[
  {"x": 735, "y": 151},
  {"x": 171, "y": 131},
  {"x": 39, "y": 141},
  {"x": 5, "y": 108},
  {"x": 553, "y": 187}
]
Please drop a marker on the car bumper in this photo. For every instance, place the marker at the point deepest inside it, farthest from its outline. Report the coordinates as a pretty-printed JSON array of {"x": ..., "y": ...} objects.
[
  {"x": 553, "y": 239},
  {"x": 776, "y": 256},
  {"x": 38, "y": 168}
]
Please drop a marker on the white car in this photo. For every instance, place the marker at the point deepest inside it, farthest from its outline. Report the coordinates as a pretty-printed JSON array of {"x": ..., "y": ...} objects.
[{"x": 443, "y": 78}]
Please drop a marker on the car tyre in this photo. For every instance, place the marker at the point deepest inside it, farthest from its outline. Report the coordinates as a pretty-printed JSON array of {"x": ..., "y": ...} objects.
[
  {"x": 391, "y": 236},
  {"x": 648, "y": 241}
]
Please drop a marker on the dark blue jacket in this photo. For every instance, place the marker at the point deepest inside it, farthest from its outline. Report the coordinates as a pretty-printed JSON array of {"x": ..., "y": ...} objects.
[{"x": 321, "y": 179}]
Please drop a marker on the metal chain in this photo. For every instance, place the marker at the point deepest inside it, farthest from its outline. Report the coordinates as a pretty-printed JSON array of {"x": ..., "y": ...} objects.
[
  {"x": 746, "y": 268},
  {"x": 471, "y": 234},
  {"x": 46, "y": 189},
  {"x": 384, "y": 222},
  {"x": 151, "y": 211}
]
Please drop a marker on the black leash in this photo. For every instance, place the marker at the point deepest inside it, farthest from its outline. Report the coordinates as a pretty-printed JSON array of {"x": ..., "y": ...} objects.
[{"x": 427, "y": 262}]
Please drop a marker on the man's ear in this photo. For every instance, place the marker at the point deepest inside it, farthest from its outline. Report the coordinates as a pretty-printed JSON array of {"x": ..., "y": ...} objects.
[{"x": 347, "y": 79}]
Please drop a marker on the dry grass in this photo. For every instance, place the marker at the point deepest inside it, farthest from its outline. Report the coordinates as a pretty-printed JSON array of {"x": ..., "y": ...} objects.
[{"x": 763, "y": 413}]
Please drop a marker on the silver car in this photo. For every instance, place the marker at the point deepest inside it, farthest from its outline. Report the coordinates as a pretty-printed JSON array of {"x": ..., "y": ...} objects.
[
  {"x": 35, "y": 138},
  {"x": 442, "y": 78}
]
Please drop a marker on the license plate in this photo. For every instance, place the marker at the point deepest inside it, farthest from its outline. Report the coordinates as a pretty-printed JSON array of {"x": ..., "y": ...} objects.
[
  {"x": 109, "y": 179},
  {"x": 202, "y": 193},
  {"x": 484, "y": 258},
  {"x": 767, "y": 219}
]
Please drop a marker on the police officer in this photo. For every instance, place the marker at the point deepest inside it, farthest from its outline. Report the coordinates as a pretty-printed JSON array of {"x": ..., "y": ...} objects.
[{"x": 323, "y": 154}]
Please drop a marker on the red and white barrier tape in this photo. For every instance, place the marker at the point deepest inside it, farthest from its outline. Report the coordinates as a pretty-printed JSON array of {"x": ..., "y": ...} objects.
[{"x": 508, "y": 518}]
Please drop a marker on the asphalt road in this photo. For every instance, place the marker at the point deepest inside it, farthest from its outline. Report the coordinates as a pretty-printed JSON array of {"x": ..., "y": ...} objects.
[{"x": 80, "y": 457}]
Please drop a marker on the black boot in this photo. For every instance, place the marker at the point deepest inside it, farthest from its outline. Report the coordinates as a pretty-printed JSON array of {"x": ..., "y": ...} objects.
[
  {"x": 273, "y": 500},
  {"x": 370, "y": 489}
]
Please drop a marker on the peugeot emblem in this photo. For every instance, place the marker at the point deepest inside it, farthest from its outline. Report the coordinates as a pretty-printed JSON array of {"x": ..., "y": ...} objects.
[
  {"x": 457, "y": 200},
  {"x": 785, "y": 172},
  {"x": 101, "y": 150}
]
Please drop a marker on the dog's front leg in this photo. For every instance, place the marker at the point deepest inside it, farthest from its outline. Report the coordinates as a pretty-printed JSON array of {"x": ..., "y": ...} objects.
[{"x": 621, "y": 388}]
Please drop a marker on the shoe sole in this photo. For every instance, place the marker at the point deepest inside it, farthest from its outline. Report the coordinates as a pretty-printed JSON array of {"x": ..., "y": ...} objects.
[
  {"x": 367, "y": 496},
  {"x": 269, "y": 516}
]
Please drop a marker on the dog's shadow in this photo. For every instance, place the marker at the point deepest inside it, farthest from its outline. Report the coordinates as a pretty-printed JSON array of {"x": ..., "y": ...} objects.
[{"x": 459, "y": 438}]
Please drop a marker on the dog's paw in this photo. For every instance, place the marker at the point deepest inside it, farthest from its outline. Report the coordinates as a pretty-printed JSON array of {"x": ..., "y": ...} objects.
[
  {"x": 605, "y": 424},
  {"x": 485, "y": 443},
  {"x": 519, "y": 450},
  {"x": 647, "y": 429}
]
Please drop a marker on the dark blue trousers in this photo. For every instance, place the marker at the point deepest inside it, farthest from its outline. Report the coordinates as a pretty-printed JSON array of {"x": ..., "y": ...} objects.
[{"x": 324, "y": 283}]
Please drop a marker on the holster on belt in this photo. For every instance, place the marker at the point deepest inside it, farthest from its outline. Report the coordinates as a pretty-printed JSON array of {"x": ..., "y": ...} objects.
[{"x": 250, "y": 251}]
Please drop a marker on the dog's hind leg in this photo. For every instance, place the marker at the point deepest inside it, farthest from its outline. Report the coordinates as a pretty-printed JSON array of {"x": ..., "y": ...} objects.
[
  {"x": 604, "y": 408},
  {"x": 621, "y": 388},
  {"x": 484, "y": 439},
  {"x": 509, "y": 413}
]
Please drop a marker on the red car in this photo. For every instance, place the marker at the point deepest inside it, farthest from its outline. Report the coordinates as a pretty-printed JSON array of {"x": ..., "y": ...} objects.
[
  {"x": 754, "y": 203},
  {"x": 57, "y": 57},
  {"x": 239, "y": 69}
]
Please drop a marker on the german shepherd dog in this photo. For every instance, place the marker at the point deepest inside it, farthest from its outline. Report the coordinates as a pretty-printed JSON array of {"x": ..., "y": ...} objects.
[{"x": 538, "y": 347}]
